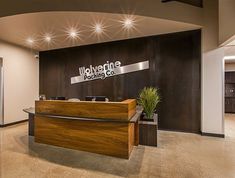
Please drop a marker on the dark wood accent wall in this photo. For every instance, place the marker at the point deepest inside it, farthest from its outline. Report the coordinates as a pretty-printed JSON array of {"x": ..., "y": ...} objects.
[{"x": 175, "y": 62}]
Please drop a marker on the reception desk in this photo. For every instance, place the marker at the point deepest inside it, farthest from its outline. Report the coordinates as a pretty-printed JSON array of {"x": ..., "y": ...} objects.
[{"x": 109, "y": 128}]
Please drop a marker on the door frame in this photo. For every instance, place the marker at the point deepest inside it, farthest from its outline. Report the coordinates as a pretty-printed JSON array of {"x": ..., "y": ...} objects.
[
  {"x": 1, "y": 92},
  {"x": 223, "y": 89}
]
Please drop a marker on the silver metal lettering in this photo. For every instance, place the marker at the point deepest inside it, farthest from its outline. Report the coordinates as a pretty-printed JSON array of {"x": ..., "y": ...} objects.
[{"x": 87, "y": 74}]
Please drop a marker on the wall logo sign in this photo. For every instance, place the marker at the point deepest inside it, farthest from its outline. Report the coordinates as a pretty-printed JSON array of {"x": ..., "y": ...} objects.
[{"x": 108, "y": 69}]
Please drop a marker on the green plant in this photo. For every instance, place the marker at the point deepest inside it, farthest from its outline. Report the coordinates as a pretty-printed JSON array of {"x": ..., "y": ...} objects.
[{"x": 149, "y": 98}]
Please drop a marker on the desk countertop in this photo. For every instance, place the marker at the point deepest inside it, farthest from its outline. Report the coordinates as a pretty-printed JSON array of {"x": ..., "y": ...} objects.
[
  {"x": 30, "y": 110},
  {"x": 139, "y": 110}
]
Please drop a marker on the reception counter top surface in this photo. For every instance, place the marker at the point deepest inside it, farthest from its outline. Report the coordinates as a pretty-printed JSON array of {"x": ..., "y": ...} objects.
[
  {"x": 139, "y": 110},
  {"x": 30, "y": 110}
]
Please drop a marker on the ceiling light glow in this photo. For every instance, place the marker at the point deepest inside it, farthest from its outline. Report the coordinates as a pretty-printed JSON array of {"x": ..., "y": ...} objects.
[
  {"x": 73, "y": 33},
  {"x": 128, "y": 23},
  {"x": 98, "y": 28},
  {"x": 47, "y": 38}
]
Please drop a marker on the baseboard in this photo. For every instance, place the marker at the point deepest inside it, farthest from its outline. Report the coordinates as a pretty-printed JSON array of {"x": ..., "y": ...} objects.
[
  {"x": 183, "y": 131},
  {"x": 213, "y": 135},
  {"x": 13, "y": 123},
  {"x": 201, "y": 133}
]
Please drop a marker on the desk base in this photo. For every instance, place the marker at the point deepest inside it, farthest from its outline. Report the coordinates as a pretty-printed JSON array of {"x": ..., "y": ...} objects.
[{"x": 109, "y": 138}]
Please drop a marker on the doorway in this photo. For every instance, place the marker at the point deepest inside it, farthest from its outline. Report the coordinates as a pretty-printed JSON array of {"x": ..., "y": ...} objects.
[
  {"x": 229, "y": 97},
  {"x": 1, "y": 92}
]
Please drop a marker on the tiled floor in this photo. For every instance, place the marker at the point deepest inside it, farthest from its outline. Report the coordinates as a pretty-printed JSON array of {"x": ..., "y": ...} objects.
[
  {"x": 179, "y": 155},
  {"x": 230, "y": 125}
]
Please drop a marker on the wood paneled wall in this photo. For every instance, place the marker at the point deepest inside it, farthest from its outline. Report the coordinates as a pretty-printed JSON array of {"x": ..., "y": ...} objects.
[{"x": 175, "y": 65}]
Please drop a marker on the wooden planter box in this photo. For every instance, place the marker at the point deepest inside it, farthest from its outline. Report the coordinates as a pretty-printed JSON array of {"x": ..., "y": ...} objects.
[{"x": 148, "y": 132}]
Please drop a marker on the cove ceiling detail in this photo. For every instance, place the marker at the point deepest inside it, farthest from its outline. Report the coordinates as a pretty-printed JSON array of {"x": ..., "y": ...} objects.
[
  {"x": 198, "y": 3},
  {"x": 53, "y": 30}
]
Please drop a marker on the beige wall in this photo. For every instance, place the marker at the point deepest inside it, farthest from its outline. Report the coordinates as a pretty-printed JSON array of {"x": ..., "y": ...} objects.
[
  {"x": 226, "y": 20},
  {"x": 210, "y": 29},
  {"x": 21, "y": 81},
  {"x": 229, "y": 50}
]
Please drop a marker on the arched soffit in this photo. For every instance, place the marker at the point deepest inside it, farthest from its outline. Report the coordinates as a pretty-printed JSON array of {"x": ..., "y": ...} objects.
[{"x": 152, "y": 8}]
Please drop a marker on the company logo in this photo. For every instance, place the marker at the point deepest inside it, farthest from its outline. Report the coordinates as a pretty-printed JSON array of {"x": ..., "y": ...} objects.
[
  {"x": 108, "y": 69},
  {"x": 100, "y": 71}
]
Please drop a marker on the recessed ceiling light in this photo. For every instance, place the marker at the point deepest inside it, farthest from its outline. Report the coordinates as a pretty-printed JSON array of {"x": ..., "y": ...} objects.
[
  {"x": 47, "y": 38},
  {"x": 73, "y": 33},
  {"x": 98, "y": 28},
  {"x": 128, "y": 23}
]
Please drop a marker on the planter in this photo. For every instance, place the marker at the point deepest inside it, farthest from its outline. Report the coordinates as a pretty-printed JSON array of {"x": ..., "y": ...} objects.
[{"x": 148, "y": 132}]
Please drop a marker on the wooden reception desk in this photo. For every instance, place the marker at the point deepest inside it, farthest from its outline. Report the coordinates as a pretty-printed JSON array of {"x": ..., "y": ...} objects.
[{"x": 109, "y": 128}]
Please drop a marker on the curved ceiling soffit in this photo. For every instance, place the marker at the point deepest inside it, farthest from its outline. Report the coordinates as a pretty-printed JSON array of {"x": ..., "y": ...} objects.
[
  {"x": 150, "y": 8},
  {"x": 36, "y": 26}
]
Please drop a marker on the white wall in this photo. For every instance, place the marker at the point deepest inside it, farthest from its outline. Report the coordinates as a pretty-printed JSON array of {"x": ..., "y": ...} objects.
[
  {"x": 212, "y": 95},
  {"x": 212, "y": 72},
  {"x": 21, "y": 81}
]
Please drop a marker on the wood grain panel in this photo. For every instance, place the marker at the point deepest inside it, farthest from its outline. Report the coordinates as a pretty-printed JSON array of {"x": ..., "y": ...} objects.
[
  {"x": 131, "y": 107},
  {"x": 136, "y": 134},
  {"x": 87, "y": 109},
  {"x": 131, "y": 137},
  {"x": 108, "y": 138}
]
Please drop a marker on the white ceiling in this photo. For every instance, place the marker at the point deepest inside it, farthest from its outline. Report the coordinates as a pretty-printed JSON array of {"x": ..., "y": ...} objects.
[{"x": 17, "y": 29}]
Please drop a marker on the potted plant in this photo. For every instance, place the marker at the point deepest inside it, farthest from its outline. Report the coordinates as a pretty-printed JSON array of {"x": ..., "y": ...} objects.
[{"x": 148, "y": 98}]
